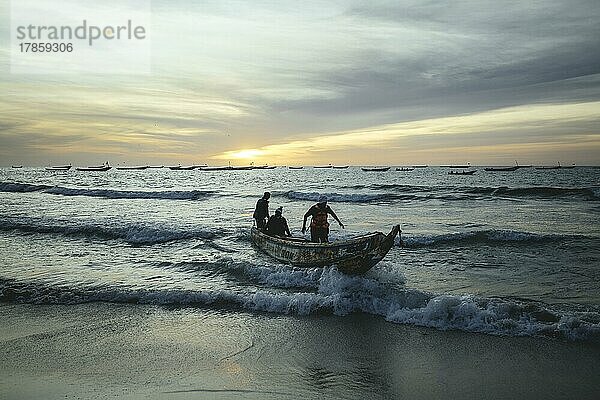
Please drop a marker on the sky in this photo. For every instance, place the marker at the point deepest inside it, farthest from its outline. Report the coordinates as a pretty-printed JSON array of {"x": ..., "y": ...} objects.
[{"x": 315, "y": 82}]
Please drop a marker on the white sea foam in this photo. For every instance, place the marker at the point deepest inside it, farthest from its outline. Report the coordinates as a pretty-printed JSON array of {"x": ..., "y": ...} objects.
[{"x": 341, "y": 295}]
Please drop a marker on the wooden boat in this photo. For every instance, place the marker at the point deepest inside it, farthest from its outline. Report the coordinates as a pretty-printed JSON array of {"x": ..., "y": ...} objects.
[
  {"x": 323, "y": 166},
  {"x": 377, "y": 169},
  {"x": 16, "y": 166},
  {"x": 156, "y": 166},
  {"x": 181, "y": 168},
  {"x": 59, "y": 168},
  {"x": 462, "y": 172},
  {"x": 558, "y": 166},
  {"x": 264, "y": 167},
  {"x": 140, "y": 167},
  {"x": 502, "y": 169},
  {"x": 468, "y": 165},
  {"x": 352, "y": 256},
  {"x": 341, "y": 166},
  {"x": 406, "y": 169},
  {"x": 104, "y": 167},
  {"x": 295, "y": 167}
]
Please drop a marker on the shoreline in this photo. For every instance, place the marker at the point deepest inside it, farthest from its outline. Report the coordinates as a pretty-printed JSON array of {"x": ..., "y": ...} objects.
[{"x": 101, "y": 350}]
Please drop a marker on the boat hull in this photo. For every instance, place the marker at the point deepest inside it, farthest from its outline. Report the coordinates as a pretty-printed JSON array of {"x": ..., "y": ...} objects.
[
  {"x": 502, "y": 169},
  {"x": 353, "y": 256}
]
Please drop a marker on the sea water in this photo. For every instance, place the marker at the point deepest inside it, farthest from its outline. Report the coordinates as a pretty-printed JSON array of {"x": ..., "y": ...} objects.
[{"x": 504, "y": 253}]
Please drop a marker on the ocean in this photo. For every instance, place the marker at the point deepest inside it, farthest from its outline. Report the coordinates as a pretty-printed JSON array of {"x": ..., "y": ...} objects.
[{"x": 498, "y": 253}]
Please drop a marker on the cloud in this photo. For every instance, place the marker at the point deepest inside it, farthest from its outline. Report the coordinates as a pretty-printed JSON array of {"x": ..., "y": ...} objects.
[
  {"x": 438, "y": 134},
  {"x": 238, "y": 76}
]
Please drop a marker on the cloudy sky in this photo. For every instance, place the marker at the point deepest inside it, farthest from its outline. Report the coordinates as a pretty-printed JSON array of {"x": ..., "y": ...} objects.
[{"x": 306, "y": 82}]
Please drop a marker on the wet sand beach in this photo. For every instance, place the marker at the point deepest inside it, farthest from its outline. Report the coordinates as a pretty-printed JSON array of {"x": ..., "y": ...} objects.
[{"x": 98, "y": 350}]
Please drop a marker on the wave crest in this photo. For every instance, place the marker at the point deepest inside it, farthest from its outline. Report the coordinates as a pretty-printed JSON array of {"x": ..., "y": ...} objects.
[
  {"x": 107, "y": 193},
  {"x": 341, "y": 295},
  {"x": 133, "y": 234}
]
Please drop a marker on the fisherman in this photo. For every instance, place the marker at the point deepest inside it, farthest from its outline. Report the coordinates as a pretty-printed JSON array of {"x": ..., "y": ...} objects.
[
  {"x": 319, "y": 227},
  {"x": 277, "y": 224},
  {"x": 261, "y": 213}
]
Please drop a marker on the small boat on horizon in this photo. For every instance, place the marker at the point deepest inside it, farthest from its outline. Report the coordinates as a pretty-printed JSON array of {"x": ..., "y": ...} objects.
[
  {"x": 323, "y": 166},
  {"x": 181, "y": 168},
  {"x": 291, "y": 167},
  {"x": 59, "y": 168},
  {"x": 351, "y": 256},
  {"x": 16, "y": 166},
  {"x": 341, "y": 166},
  {"x": 376, "y": 169},
  {"x": 264, "y": 167},
  {"x": 405, "y": 169},
  {"x": 156, "y": 166},
  {"x": 103, "y": 167},
  {"x": 139, "y": 167},
  {"x": 420, "y": 166},
  {"x": 557, "y": 166},
  {"x": 471, "y": 172},
  {"x": 468, "y": 165},
  {"x": 502, "y": 169}
]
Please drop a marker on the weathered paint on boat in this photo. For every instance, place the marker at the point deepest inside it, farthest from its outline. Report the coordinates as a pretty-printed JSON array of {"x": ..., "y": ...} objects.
[{"x": 352, "y": 256}]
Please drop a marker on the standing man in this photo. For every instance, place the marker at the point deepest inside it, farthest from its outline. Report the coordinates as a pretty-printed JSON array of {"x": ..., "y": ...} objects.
[
  {"x": 319, "y": 227},
  {"x": 261, "y": 212}
]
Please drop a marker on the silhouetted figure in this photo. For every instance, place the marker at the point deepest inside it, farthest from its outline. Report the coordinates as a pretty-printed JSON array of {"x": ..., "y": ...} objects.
[
  {"x": 277, "y": 224},
  {"x": 319, "y": 227},
  {"x": 261, "y": 212}
]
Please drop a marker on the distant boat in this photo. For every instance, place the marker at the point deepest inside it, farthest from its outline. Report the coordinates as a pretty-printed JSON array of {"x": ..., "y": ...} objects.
[
  {"x": 405, "y": 169},
  {"x": 557, "y": 166},
  {"x": 502, "y": 169},
  {"x": 213, "y": 168},
  {"x": 420, "y": 166},
  {"x": 156, "y": 166},
  {"x": 569, "y": 167},
  {"x": 264, "y": 167},
  {"x": 471, "y": 172},
  {"x": 230, "y": 168},
  {"x": 59, "y": 168},
  {"x": 104, "y": 167},
  {"x": 295, "y": 167},
  {"x": 133, "y": 167},
  {"x": 181, "y": 168},
  {"x": 323, "y": 166},
  {"x": 17, "y": 166},
  {"x": 341, "y": 166},
  {"x": 377, "y": 169},
  {"x": 456, "y": 166}
]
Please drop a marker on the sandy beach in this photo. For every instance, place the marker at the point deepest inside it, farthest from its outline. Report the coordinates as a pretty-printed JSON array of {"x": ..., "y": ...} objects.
[{"x": 93, "y": 351}]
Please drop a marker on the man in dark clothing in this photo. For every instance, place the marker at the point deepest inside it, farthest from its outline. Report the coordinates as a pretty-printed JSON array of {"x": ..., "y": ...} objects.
[
  {"x": 277, "y": 225},
  {"x": 261, "y": 213},
  {"x": 319, "y": 227}
]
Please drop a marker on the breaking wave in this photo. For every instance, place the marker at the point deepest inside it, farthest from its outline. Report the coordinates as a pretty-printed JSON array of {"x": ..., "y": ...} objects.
[
  {"x": 133, "y": 234},
  {"x": 490, "y": 236},
  {"x": 339, "y": 294},
  {"x": 21, "y": 187},
  {"x": 107, "y": 193}
]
